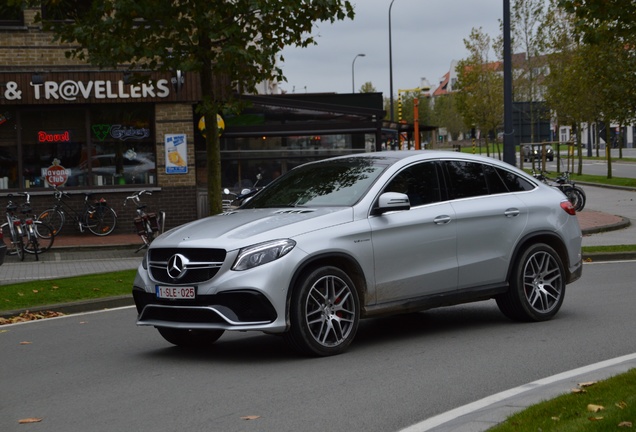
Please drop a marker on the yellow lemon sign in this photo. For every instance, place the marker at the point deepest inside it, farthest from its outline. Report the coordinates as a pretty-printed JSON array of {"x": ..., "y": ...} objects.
[{"x": 220, "y": 124}]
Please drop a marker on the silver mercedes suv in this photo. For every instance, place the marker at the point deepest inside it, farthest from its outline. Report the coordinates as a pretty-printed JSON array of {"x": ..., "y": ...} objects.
[{"x": 352, "y": 237}]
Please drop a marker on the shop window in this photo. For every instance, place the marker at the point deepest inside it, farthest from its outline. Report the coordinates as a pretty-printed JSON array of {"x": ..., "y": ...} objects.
[
  {"x": 8, "y": 149},
  {"x": 123, "y": 149},
  {"x": 64, "y": 9},
  {"x": 10, "y": 14},
  {"x": 106, "y": 145}
]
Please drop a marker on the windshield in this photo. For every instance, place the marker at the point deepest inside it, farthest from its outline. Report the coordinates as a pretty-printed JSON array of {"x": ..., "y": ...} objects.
[{"x": 336, "y": 182}]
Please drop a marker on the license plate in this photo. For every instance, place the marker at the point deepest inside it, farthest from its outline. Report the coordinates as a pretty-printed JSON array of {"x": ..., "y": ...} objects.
[{"x": 176, "y": 293}]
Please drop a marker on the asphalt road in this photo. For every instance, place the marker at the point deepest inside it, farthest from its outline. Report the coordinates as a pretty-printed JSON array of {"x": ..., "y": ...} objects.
[{"x": 98, "y": 372}]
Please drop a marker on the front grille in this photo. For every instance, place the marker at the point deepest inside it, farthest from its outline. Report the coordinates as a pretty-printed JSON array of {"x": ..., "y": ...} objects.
[
  {"x": 241, "y": 306},
  {"x": 201, "y": 266}
]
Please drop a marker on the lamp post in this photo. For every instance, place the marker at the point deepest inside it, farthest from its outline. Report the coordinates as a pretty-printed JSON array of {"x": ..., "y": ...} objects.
[
  {"x": 353, "y": 79},
  {"x": 390, "y": 65}
]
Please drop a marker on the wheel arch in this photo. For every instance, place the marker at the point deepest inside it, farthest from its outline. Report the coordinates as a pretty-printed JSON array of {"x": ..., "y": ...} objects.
[
  {"x": 546, "y": 237},
  {"x": 344, "y": 262}
]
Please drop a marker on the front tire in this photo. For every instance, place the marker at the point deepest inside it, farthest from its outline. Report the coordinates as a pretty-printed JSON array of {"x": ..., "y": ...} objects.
[
  {"x": 53, "y": 218},
  {"x": 537, "y": 286},
  {"x": 188, "y": 338},
  {"x": 324, "y": 312}
]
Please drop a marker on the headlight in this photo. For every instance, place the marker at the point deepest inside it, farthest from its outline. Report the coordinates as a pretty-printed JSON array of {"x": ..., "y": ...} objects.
[{"x": 262, "y": 253}]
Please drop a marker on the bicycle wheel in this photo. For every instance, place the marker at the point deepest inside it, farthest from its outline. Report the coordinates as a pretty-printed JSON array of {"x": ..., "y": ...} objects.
[
  {"x": 100, "y": 220},
  {"x": 581, "y": 193},
  {"x": 13, "y": 241},
  {"x": 7, "y": 236},
  {"x": 42, "y": 240},
  {"x": 573, "y": 196},
  {"x": 53, "y": 218}
]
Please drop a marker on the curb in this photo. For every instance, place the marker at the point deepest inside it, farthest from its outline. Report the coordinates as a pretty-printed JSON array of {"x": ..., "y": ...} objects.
[
  {"x": 624, "y": 223},
  {"x": 77, "y": 307}
]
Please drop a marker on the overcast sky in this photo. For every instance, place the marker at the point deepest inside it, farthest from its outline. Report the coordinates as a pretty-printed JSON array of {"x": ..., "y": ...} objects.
[{"x": 426, "y": 36}]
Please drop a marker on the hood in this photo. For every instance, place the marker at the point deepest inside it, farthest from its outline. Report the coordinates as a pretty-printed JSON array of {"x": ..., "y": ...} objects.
[{"x": 240, "y": 228}]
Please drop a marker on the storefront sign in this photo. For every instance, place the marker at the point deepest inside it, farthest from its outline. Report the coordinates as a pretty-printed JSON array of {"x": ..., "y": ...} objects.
[
  {"x": 70, "y": 90},
  {"x": 119, "y": 132},
  {"x": 56, "y": 174},
  {"x": 176, "y": 154},
  {"x": 54, "y": 137},
  {"x": 93, "y": 87}
]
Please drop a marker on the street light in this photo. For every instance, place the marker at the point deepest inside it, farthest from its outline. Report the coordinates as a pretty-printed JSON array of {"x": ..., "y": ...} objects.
[
  {"x": 391, "y": 63},
  {"x": 353, "y": 80}
]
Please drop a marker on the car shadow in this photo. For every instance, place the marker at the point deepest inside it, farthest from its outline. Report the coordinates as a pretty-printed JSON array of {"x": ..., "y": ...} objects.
[{"x": 373, "y": 333}]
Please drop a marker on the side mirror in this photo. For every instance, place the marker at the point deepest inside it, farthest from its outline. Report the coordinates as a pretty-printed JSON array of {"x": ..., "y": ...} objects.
[{"x": 392, "y": 201}]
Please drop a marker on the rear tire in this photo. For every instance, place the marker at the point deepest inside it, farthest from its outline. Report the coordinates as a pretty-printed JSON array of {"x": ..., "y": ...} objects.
[
  {"x": 100, "y": 220},
  {"x": 42, "y": 239},
  {"x": 324, "y": 312},
  {"x": 537, "y": 286},
  {"x": 188, "y": 338}
]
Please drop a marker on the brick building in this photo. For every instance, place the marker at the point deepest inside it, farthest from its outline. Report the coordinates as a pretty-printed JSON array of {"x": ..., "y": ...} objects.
[
  {"x": 65, "y": 122},
  {"x": 108, "y": 136}
]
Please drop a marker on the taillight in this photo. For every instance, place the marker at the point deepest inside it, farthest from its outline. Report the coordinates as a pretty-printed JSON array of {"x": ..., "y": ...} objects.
[
  {"x": 29, "y": 221},
  {"x": 17, "y": 222},
  {"x": 568, "y": 207}
]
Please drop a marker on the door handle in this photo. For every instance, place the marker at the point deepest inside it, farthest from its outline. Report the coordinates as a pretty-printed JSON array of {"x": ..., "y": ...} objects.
[
  {"x": 512, "y": 212},
  {"x": 441, "y": 220}
]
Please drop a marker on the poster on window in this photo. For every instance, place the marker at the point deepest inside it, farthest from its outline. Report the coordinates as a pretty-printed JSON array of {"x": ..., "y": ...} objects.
[{"x": 176, "y": 154}]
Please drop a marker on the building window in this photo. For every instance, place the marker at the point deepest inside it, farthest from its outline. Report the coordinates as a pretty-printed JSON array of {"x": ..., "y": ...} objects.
[
  {"x": 105, "y": 145},
  {"x": 64, "y": 9},
  {"x": 10, "y": 14}
]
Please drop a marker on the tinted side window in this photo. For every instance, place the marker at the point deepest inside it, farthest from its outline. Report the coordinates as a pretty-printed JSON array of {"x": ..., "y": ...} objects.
[
  {"x": 466, "y": 179},
  {"x": 513, "y": 182},
  {"x": 420, "y": 182}
]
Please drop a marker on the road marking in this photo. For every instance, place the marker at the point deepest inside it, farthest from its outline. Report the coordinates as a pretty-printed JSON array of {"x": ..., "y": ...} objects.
[{"x": 440, "y": 419}]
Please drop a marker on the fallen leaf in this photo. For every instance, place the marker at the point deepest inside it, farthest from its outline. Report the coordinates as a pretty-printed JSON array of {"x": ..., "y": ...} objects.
[
  {"x": 25, "y": 343},
  {"x": 556, "y": 419},
  {"x": 250, "y": 417},
  {"x": 621, "y": 405},
  {"x": 30, "y": 420},
  {"x": 595, "y": 418},
  {"x": 587, "y": 384},
  {"x": 625, "y": 424},
  {"x": 30, "y": 316},
  {"x": 3, "y": 331},
  {"x": 579, "y": 390},
  {"x": 36, "y": 291},
  {"x": 595, "y": 408}
]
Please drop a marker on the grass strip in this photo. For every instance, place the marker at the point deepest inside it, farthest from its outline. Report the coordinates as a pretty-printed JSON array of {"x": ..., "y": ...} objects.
[
  {"x": 606, "y": 249},
  {"x": 608, "y": 405},
  {"x": 27, "y": 295}
]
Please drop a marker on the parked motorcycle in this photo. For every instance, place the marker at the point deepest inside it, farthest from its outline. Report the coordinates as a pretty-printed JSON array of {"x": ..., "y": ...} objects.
[{"x": 233, "y": 200}]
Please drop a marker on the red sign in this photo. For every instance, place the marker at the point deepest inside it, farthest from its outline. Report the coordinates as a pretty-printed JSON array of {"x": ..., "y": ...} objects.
[
  {"x": 54, "y": 136},
  {"x": 56, "y": 175}
]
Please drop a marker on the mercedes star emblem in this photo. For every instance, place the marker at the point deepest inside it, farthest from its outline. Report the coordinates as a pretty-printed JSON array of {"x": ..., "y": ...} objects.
[{"x": 176, "y": 267}]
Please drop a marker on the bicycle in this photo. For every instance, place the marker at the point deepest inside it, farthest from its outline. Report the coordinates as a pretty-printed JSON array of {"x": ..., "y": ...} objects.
[
  {"x": 97, "y": 216},
  {"x": 39, "y": 236},
  {"x": 12, "y": 231},
  {"x": 575, "y": 194},
  {"x": 147, "y": 225}
]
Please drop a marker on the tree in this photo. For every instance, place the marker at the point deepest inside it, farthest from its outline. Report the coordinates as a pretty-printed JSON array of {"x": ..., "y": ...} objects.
[
  {"x": 445, "y": 114},
  {"x": 480, "y": 85},
  {"x": 367, "y": 87},
  {"x": 599, "y": 20},
  {"x": 527, "y": 16},
  {"x": 232, "y": 45}
]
